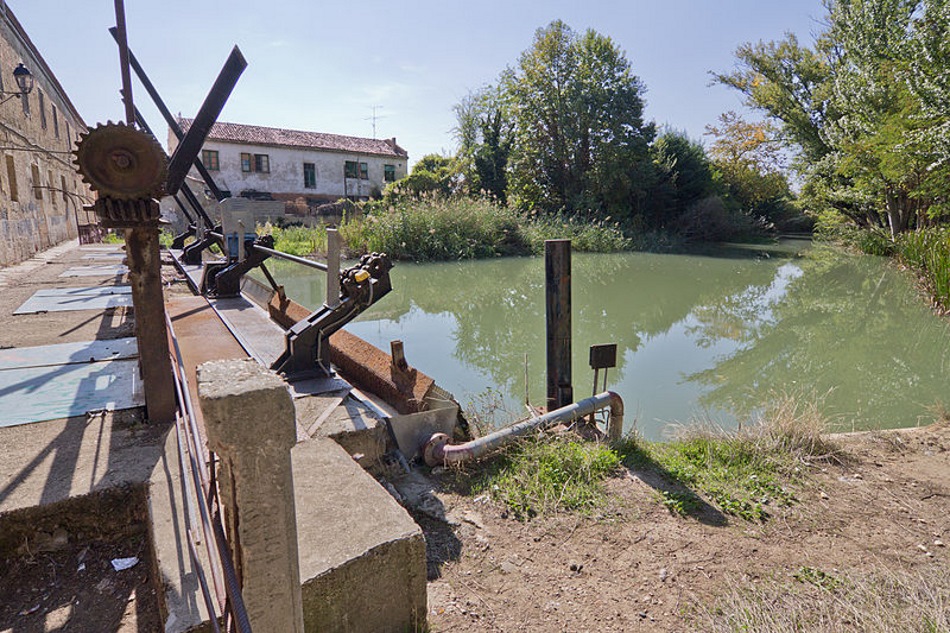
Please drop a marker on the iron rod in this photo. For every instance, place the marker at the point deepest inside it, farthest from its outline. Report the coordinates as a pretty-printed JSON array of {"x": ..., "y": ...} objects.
[
  {"x": 123, "y": 41},
  {"x": 169, "y": 118},
  {"x": 187, "y": 151},
  {"x": 291, "y": 258}
]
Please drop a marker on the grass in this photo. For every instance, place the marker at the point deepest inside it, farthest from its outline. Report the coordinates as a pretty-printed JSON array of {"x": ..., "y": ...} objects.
[
  {"x": 297, "y": 240},
  {"x": 826, "y": 602},
  {"x": 547, "y": 475},
  {"x": 928, "y": 252},
  {"x": 742, "y": 473},
  {"x": 434, "y": 228}
]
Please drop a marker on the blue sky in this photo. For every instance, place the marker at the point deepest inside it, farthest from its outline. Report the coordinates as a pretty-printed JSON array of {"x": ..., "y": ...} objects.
[{"x": 323, "y": 65}]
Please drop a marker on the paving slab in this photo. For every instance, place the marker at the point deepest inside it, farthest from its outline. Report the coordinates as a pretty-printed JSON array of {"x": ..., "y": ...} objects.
[
  {"x": 67, "y": 300},
  {"x": 102, "y": 270},
  {"x": 35, "y": 394},
  {"x": 68, "y": 353}
]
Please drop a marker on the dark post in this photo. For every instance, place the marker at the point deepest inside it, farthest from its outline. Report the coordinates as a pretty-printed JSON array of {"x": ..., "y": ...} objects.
[
  {"x": 145, "y": 277},
  {"x": 557, "y": 273}
]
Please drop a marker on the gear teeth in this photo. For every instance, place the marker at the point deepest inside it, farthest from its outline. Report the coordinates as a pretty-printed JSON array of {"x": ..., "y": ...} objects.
[{"x": 120, "y": 161}]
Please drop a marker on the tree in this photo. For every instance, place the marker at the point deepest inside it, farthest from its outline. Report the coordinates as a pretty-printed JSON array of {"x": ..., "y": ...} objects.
[
  {"x": 432, "y": 174},
  {"x": 484, "y": 132},
  {"x": 577, "y": 114},
  {"x": 748, "y": 161},
  {"x": 865, "y": 108},
  {"x": 683, "y": 177}
]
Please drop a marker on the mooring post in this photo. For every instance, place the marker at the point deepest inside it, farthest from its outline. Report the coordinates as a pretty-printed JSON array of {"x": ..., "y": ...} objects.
[
  {"x": 145, "y": 278},
  {"x": 557, "y": 273},
  {"x": 250, "y": 421}
]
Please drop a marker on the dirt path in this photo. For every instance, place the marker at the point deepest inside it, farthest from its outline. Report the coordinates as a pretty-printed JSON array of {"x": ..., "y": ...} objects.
[{"x": 638, "y": 567}]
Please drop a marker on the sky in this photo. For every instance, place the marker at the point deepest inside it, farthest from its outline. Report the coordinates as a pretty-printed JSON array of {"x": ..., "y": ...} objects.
[{"x": 323, "y": 66}]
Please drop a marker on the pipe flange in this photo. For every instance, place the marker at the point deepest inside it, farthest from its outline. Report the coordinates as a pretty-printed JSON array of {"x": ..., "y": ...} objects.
[{"x": 434, "y": 451}]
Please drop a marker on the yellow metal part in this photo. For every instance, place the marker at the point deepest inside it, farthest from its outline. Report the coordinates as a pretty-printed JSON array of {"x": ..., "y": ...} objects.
[{"x": 361, "y": 275}]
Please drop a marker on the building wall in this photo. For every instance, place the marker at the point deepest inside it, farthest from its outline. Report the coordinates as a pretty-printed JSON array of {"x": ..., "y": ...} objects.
[
  {"x": 286, "y": 176},
  {"x": 40, "y": 190}
]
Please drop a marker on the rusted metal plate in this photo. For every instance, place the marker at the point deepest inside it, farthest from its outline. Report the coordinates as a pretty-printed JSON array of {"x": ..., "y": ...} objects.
[{"x": 202, "y": 337}]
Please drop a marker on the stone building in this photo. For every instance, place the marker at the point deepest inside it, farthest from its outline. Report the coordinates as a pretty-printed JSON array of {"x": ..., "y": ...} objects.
[
  {"x": 41, "y": 194},
  {"x": 302, "y": 169}
]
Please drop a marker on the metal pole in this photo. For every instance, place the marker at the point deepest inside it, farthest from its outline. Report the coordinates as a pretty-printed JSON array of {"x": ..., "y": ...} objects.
[
  {"x": 557, "y": 271},
  {"x": 122, "y": 39},
  {"x": 333, "y": 268}
]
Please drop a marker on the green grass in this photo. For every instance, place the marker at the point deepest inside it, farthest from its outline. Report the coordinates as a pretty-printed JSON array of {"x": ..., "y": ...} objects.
[
  {"x": 928, "y": 252},
  {"x": 547, "y": 475},
  {"x": 742, "y": 473},
  {"x": 297, "y": 240},
  {"x": 433, "y": 228}
]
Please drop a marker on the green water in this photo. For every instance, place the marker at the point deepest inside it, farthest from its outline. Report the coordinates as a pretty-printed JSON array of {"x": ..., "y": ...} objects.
[{"x": 701, "y": 337}]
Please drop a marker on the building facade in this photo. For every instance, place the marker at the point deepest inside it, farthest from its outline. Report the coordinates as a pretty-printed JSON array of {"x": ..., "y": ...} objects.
[
  {"x": 41, "y": 194},
  {"x": 303, "y": 169}
]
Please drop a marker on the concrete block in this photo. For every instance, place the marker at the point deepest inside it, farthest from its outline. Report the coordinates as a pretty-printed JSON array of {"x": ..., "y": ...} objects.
[
  {"x": 179, "y": 594},
  {"x": 362, "y": 557}
]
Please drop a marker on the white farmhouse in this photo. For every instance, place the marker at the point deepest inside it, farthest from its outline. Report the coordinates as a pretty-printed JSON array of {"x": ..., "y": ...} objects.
[{"x": 294, "y": 166}]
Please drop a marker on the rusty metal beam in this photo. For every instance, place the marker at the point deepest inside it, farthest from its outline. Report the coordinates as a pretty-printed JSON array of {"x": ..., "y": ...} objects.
[
  {"x": 557, "y": 273},
  {"x": 169, "y": 118},
  {"x": 187, "y": 151}
]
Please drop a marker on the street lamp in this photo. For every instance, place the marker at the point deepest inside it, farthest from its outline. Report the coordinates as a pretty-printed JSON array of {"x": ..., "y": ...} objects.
[{"x": 24, "y": 82}]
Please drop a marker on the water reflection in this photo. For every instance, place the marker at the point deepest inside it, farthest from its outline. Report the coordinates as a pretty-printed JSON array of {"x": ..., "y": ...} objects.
[{"x": 703, "y": 335}]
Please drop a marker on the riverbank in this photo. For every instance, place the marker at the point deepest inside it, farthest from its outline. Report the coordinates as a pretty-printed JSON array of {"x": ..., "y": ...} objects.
[{"x": 861, "y": 548}]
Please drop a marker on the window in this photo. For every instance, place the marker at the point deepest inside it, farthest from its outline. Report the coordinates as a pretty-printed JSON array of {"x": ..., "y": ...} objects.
[
  {"x": 255, "y": 162},
  {"x": 25, "y": 100},
  {"x": 42, "y": 109},
  {"x": 37, "y": 187},
  {"x": 52, "y": 196},
  {"x": 11, "y": 176},
  {"x": 62, "y": 180},
  {"x": 309, "y": 176},
  {"x": 389, "y": 173},
  {"x": 55, "y": 121},
  {"x": 69, "y": 138},
  {"x": 351, "y": 167},
  {"x": 209, "y": 158}
]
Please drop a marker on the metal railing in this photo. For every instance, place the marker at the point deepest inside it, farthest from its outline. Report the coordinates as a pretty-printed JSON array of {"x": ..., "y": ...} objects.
[{"x": 222, "y": 597}]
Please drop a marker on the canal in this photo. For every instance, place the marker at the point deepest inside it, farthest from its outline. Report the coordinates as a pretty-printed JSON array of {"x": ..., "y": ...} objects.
[{"x": 708, "y": 336}]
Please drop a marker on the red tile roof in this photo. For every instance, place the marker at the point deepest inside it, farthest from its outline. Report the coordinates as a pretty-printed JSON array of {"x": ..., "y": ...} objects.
[{"x": 258, "y": 135}]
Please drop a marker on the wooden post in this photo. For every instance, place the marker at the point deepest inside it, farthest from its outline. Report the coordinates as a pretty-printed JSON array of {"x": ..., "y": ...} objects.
[
  {"x": 145, "y": 277},
  {"x": 557, "y": 273}
]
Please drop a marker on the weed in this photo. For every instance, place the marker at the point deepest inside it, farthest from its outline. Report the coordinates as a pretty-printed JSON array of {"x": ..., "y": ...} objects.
[
  {"x": 549, "y": 474},
  {"x": 681, "y": 503},
  {"x": 879, "y": 601},
  {"x": 928, "y": 252}
]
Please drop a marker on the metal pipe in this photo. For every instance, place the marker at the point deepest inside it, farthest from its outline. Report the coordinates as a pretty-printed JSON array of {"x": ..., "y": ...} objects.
[
  {"x": 280, "y": 254},
  {"x": 438, "y": 451}
]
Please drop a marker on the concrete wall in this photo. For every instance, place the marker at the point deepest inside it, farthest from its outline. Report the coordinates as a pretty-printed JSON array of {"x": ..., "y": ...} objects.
[{"x": 40, "y": 190}]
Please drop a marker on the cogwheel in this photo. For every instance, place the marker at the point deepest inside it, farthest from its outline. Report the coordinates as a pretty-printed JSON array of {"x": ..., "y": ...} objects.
[{"x": 122, "y": 162}]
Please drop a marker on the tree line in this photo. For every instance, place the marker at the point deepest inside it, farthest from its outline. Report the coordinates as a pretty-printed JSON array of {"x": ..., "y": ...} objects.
[
  {"x": 865, "y": 109},
  {"x": 562, "y": 131}
]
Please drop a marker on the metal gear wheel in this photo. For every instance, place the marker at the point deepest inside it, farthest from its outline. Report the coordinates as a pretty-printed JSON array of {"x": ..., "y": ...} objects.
[{"x": 122, "y": 162}]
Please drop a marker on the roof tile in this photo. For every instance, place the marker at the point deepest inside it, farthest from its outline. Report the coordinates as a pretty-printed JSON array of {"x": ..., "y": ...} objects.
[{"x": 258, "y": 135}]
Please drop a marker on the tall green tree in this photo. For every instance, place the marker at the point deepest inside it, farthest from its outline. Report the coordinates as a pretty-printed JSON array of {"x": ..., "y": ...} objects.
[
  {"x": 580, "y": 141},
  {"x": 485, "y": 135}
]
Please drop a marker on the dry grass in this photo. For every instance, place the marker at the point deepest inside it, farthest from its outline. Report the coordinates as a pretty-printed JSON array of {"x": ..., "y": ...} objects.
[{"x": 820, "y": 602}]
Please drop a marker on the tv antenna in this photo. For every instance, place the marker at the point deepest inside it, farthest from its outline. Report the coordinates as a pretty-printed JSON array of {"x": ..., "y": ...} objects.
[{"x": 375, "y": 117}]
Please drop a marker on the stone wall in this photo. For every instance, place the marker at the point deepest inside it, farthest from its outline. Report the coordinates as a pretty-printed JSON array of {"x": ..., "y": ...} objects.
[{"x": 40, "y": 190}]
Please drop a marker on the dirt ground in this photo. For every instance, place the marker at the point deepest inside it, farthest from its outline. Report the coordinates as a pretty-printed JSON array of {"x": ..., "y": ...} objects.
[{"x": 637, "y": 567}]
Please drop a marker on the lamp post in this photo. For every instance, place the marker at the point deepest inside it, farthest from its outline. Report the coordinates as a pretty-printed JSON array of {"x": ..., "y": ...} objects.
[{"x": 24, "y": 83}]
